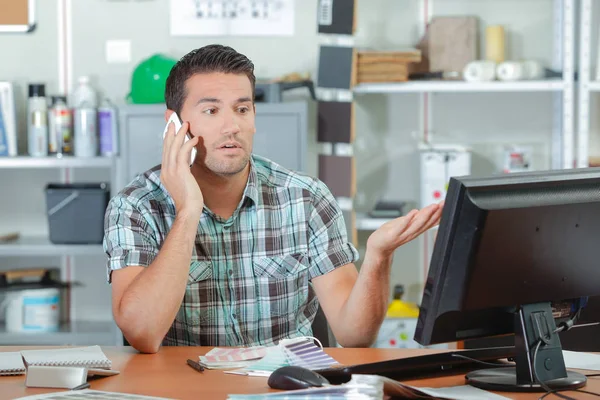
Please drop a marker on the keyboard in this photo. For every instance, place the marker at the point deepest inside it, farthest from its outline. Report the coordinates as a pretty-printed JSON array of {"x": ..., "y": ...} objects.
[{"x": 444, "y": 363}]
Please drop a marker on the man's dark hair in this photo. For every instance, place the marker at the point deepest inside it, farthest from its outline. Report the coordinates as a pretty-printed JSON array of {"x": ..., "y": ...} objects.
[{"x": 207, "y": 59}]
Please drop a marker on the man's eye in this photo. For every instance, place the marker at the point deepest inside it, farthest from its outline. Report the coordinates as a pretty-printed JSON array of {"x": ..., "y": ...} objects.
[
  {"x": 243, "y": 110},
  {"x": 210, "y": 111}
]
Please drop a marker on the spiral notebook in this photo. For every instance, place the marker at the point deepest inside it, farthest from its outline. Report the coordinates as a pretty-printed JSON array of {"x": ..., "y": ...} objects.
[
  {"x": 89, "y": 357},
  {"x": 11, "y": 363}
]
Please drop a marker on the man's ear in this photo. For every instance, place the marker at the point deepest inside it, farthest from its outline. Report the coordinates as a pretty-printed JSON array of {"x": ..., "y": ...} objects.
[{"x": 168, "y": 114}]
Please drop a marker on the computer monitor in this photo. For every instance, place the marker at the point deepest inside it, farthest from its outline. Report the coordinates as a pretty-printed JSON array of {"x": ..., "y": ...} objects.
[{"x": 508, "y": 247}]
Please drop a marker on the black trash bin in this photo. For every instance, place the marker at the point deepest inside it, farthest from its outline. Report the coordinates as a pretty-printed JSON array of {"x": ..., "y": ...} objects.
[{"x": 76, "y": 212}]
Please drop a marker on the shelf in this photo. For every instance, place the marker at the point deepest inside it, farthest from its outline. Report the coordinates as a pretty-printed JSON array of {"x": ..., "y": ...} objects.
[
  {"x": 54, "y": 162},
  {"x": 366, "y": 223},
  {"x": 41, "y": 246},
  {"x": 77, "y": 333},
  {"x": 460, "y": 86},
  {"x": 594, "y": 86}
]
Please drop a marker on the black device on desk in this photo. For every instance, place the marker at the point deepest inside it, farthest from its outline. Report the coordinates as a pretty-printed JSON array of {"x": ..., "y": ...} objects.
[{"x": 507, "y": 249}]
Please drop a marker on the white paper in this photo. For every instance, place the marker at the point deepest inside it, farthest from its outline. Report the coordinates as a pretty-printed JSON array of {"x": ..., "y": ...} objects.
[
  {"x": 232, "y": 17},
  {"x": 580, "y": 360},
  {"x": 464, "y": 392},
  {"x": 11, "y": 363},
  {"x": 89, "y": 394}
]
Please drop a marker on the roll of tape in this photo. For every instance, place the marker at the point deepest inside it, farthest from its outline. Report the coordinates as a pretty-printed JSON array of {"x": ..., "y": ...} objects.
[
  {"x": 533, "y": 70},
  {"x": 480, "y": 71},
  {"x": 494, "y": 43},
  {"x": 510, "y": 71}
]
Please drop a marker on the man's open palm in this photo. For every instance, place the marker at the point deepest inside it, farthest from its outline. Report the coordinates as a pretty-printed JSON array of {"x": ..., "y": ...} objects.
[{"x": 399, "y": 231}]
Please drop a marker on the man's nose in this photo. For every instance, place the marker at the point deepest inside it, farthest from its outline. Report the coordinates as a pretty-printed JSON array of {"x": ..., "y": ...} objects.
[{"x": 230, "y": 124}]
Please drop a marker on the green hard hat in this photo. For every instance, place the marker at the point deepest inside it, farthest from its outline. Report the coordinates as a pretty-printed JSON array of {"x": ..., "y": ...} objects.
[{"x": 149, "y": 80}]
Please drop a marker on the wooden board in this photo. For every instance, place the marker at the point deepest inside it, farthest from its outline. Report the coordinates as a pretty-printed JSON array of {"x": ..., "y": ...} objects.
[
  {"x": 17, "y": 15},
  {"x": 375, "y": 56}
]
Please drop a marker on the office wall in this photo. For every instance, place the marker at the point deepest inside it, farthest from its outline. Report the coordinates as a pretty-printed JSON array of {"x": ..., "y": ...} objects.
[{"x": 386, "y": 124}]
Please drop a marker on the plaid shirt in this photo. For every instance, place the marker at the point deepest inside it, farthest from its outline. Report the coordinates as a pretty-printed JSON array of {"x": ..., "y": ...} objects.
[{"x": 250, "y": 275}]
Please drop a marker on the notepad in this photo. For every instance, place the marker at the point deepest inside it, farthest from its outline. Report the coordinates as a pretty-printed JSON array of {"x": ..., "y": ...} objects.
[
  {"x": 89, "y": 394},
  {"x": 89, "y": 357},
  {"x": 11, "y": 363}
]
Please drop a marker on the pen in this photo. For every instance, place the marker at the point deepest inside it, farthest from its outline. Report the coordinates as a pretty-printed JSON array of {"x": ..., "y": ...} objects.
[
  {"x": 195, "y": 365},
  {"x": 82, "y": 386}
]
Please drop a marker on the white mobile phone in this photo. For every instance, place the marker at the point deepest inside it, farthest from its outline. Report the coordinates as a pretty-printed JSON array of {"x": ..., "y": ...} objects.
[{"x": 175, "y": 119}]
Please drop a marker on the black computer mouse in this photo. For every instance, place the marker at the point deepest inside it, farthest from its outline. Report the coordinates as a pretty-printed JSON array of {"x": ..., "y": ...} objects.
[{"x": 292, "y": 378}]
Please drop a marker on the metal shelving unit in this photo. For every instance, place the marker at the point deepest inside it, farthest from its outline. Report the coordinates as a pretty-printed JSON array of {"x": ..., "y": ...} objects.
[
  {"x": 78, "y": 333},
  {"x": 562, "y": 90},
  {"x": 587, "y": 85},
  {"x": 563, "y": 136}
]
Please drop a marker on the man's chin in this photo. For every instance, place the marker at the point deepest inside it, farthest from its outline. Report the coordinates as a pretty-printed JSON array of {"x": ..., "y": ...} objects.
[{"x": 228, "y": 170}]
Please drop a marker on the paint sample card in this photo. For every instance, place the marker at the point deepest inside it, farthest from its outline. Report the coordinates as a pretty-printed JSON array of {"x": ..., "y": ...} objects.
[
  {"x": 336, "y": 67},
  {"x": 338, "y": 174},
  {"x": 335, "y": 122},
  {"x": 337, "y": 16}
]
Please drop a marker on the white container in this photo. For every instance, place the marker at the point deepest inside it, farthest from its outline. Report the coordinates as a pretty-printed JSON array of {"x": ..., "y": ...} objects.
[
  {"x": 32, "y": 310},
  {"x": 37, "y": 121},
  {"x": 85, "y": 132},
  {"x": 108, "y": 129},
  {"x": 84, "y": 95}
]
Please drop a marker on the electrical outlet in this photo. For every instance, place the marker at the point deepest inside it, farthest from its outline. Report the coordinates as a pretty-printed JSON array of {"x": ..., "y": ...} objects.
[{"x": 118, "y": 51}]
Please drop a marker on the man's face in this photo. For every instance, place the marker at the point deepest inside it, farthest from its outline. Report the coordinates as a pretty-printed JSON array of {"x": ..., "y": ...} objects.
[{"x": 220, "y": 110}]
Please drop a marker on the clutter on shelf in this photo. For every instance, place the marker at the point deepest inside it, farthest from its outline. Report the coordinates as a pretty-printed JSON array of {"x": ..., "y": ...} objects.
[{"x": 32, "y": 299}]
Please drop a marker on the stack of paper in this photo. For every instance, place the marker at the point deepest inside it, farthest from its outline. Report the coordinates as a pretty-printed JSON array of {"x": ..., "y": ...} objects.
[
  {"x": 11, "y": 363},
  {"x": 300, "y": 352},
  {"x": 367, "y": 387},
  {"x": 220, "y": 358}
]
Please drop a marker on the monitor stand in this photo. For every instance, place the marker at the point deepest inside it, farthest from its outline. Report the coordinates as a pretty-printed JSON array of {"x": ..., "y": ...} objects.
[{"x": 533, "y": 322}]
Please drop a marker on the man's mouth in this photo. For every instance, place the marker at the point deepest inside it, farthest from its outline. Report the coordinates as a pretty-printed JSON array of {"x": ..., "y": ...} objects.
[{"x": 230, "y": 145}]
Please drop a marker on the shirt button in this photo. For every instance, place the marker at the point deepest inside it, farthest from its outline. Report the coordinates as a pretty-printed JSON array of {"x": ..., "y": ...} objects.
[
  {"x": 234, "y": 316},
  {"x": 230, "y": 272}
]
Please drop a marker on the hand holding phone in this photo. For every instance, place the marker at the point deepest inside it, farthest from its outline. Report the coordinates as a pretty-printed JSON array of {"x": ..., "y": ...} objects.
[
  {"x": 176, "y": 174},
  {"x": 175, "y": 120}
]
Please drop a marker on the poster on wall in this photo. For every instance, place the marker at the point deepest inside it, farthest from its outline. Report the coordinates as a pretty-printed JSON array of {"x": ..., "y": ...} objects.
[{"x": 232, "y": 17}]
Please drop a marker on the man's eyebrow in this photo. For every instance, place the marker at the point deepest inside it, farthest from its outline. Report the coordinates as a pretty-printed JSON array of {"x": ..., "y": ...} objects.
[
  {"x": 209, "y": 100},
  {"x": 215, "y": 100}
]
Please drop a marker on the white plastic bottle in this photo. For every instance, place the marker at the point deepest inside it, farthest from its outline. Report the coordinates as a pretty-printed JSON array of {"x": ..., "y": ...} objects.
[
  {"x": 84, "y": 101},
  {"x": 84, "y": 93}
]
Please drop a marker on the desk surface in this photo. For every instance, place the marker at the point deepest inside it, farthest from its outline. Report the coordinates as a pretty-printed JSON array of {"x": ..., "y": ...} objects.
[{"x": 166, "y": 374}]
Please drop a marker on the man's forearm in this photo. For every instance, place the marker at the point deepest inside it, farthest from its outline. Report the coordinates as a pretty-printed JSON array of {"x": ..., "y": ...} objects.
[
  {"x": 366, "y": 306},
  {"x": 151, "y": 302}
]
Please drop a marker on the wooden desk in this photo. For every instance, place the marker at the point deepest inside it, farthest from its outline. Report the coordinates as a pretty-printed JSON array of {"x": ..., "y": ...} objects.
[{"x": 166, "y": 374}]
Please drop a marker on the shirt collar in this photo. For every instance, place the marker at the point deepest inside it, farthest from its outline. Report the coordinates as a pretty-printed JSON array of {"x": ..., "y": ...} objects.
[{"x": 251, "y": 190}]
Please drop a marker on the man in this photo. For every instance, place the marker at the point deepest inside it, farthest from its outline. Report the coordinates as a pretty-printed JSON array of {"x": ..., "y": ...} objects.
[{"x": 235, "y": 250}]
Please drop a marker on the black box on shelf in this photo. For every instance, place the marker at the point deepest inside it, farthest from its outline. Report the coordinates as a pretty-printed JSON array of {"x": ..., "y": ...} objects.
[{"x": 76, "y": 212}]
